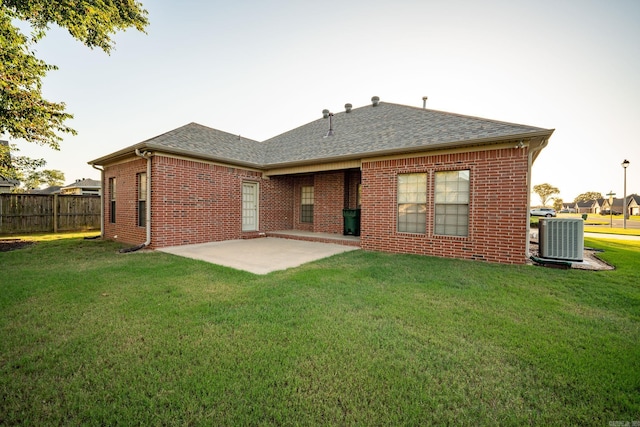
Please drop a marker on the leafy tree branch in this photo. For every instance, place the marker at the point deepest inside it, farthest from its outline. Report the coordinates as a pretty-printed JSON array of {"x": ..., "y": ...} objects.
[
  {"x": 24, "y": 113},
  {"x": 545, "y": 191}
]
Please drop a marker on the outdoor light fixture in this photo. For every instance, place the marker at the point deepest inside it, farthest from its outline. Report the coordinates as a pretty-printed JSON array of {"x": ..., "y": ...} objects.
[{"x": 625, "y": 163}]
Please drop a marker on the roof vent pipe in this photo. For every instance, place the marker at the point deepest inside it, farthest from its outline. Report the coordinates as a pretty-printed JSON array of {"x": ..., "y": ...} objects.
[
  {"x": 424, "y": 101},
  {"x": 348, "y": 107},
  {"x": 327, "y": 114},
  {"x": 375, "y": 101}
]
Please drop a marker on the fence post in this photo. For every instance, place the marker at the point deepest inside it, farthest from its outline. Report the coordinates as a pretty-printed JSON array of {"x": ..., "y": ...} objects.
[{"x": 55, "y": 213}]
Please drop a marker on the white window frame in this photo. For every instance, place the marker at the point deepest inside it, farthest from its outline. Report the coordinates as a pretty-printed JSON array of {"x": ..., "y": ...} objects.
[
  {"x": 452, "y": 191},
  {"x": 412, "y": 203},
  {"x": 142, "y": 199}
]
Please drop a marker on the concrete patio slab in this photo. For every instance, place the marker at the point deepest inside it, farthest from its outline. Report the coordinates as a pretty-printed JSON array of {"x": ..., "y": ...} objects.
[{"x": 259, "y": 256}]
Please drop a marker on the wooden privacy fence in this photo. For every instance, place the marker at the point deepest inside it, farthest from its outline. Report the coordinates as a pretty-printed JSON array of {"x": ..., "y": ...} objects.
[{"x": 37, "y": 213}]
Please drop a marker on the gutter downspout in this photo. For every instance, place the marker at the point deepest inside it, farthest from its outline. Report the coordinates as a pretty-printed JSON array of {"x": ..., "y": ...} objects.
[
  {"x": 147, "y": 155},
  {"x": 101, "y": 199},
  {"x": 530, "y": 157}
]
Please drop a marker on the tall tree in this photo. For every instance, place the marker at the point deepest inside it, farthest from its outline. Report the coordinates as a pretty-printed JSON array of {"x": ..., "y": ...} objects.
[
  {"x": 557, "y": 203},
  {"x": 24, "y": 113},
  {"x": 49, "y": 177},
  {"x": 52, "y": 177},
  {"x": 16, "y": 167},
  {"x": 588, "y": 196},
  {"x": 545, "y": 191},
  {"x": 5, "y": 160}
]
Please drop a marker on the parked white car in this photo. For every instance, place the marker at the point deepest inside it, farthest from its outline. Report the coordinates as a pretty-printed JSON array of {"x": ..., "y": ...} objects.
[{"x": 548, "y": 212}]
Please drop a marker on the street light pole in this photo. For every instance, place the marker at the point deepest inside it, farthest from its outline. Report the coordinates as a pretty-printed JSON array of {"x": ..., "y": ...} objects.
[{"x": 625, "y": 163}]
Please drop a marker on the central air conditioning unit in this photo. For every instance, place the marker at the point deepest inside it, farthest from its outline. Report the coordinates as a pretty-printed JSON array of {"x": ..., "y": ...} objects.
[{"x": 561, "y": 238}]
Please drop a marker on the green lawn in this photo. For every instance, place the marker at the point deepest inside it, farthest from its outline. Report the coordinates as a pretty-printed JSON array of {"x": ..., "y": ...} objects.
[{"x": 90, "y": 336}]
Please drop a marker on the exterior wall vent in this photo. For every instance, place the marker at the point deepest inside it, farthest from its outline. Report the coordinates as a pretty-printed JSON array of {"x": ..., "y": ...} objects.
[{"x": 561, "y": 238}]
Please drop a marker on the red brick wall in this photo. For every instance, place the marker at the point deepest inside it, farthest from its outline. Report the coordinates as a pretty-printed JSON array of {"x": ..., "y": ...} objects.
[
  {"x": 195, "y": 202},
  {"x": 497, "y": 216},
  {"x": 276, "y": 203},
  {"x": 299, "y": 182},
  {"x": 126, "y": 227},
  {"x": 192, "y": 202},
  {"x": 329, "y": 202}
]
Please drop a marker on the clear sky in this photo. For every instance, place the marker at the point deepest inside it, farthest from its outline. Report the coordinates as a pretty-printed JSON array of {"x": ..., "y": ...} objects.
[{"x": 260, "y": 68}]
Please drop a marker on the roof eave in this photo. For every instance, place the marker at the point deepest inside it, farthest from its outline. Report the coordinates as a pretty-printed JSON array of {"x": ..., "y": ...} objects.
[
  {"x": 145, "y": 146},
  {"x": 128, "y": 152}
]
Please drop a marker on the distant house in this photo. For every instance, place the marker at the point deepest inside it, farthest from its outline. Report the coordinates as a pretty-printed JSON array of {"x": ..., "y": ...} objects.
[
  {"x": 83, "y": 186},
  {"x": 570, "y": 207},
  {"x": 633, "y": 204},
  {"x": 616, "y": 206},
  {"x": 8, "y": 185},
  {"x": 588, "y": 207},
  {"x": 418, "y": 181},
  {"x": 54, "y": 189}
]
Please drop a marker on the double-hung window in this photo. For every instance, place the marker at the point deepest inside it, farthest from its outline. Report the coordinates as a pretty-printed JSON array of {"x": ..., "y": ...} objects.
[
  {"x": 112, "y": 200},
  {"x": 412, "y": 203},
  {"x": 142, "y": 199},
  {"x": 306, "y": 204},
  {"x": 452, "y": 203}
]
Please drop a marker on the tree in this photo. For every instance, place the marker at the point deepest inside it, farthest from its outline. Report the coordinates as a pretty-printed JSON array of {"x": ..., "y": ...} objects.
[
  {"x": 24, "y": 113},
  {"x": 25, "y": 169},
  {"x": 16, "y": 167},
  {"x": 588, "y": 196},
  {"x": 5, "y": 160},
  {"x": 50, "y": 177},
  {"x": 557, "y": 203},
  {"x": 545, "y": 191}
]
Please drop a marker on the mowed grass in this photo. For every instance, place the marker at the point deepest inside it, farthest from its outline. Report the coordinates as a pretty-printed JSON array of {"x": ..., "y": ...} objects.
[{"x": 93, "y": 337}]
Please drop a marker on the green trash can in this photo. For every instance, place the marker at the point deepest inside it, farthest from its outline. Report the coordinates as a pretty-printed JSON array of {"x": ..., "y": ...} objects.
[
  {"x": 584, "y": 216},
  {"x": 351, "y": 221}
]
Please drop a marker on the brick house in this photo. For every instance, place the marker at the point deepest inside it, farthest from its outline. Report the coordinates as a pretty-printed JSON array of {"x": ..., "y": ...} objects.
[
  {"x": 422, "y": 182},
  {"x": 83, "y": 186},
  {"x": 589, "y": 206},
  {"x": 633, "y": 204}
]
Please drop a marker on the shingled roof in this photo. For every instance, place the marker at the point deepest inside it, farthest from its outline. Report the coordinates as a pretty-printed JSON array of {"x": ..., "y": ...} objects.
[
  {"x": 385, "y": 128},
  {"x": 197, "y": 139},
  {"x": 84, "y": 183}
]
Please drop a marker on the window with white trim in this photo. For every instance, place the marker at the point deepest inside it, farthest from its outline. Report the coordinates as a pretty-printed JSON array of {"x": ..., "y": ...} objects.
[
  {"x": 112, "y": 200},
  {"x": 451, "y": 195},
  {"x": 142, "y": 199},
  {"x": 412, "y": 203}
]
